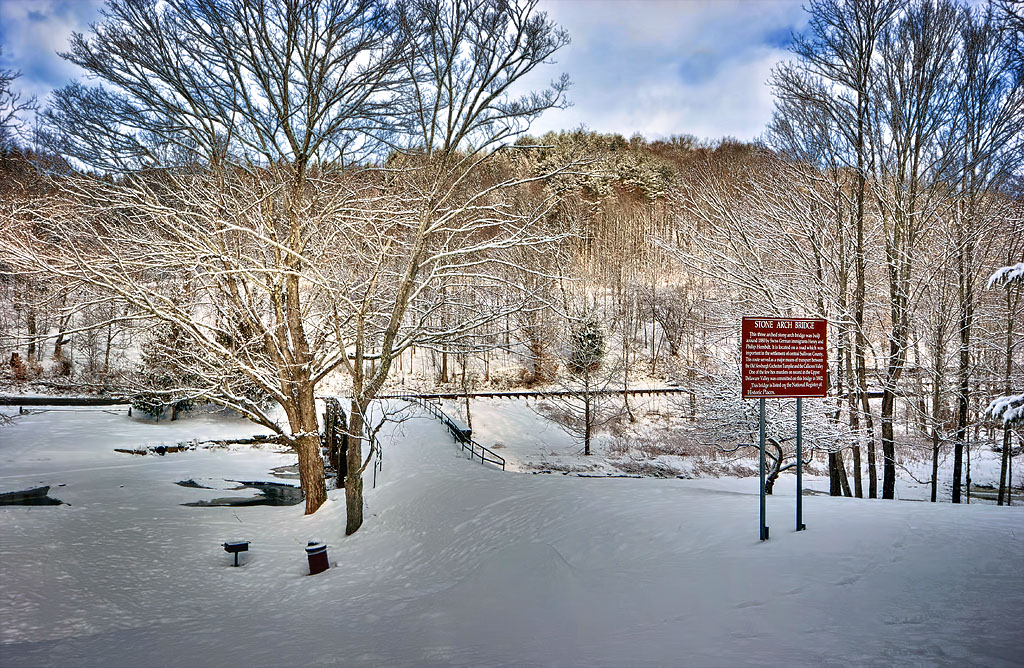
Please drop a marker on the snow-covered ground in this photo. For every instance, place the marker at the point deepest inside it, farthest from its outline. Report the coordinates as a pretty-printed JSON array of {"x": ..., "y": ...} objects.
[
  {"x": 518, "y": 431},
  {"x": 459, "y": 563}
]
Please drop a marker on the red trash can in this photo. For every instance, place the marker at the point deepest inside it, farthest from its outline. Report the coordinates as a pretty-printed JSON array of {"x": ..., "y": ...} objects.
[{"x": 317, "y": 555}]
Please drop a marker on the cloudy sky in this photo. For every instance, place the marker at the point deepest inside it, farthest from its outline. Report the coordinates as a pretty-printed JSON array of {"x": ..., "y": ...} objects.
[{"x": 654, "y": 67}]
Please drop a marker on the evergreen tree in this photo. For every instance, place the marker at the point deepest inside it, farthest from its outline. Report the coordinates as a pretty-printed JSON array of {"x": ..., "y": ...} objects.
[
  {"x": 586, "y": 356},
  {"x": 161, "y": 382},
  {"x": 587, "y": 347}
]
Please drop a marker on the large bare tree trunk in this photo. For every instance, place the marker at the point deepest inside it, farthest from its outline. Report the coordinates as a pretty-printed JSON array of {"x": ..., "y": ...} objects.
[
  {"x": 888, "y": 445},
  {"x": 32, "y": 332},
  {"x": 937, "y": 375},
  {"x": 852, "y": 398},
  {"x": 354, "y": 479},
  {"x": 844, "y": 480},
  {"x": 899, "y": 269},
  {"x": 1004, "y": 482},
  {"x": 311, "y": 471},
  {"x": 869, "y": 431},
  {"x": 898, "y": 259},
  {"x": 1009, "y": 480},
  {"x": 63, "y": 324},
  {"x": 306, "y": 442},
  {"x": 1004, "y": 460},
  {"x": 864, "y": 50},
  {"x": 965, "y": 264},
  {"x": 586, "y": 421},
  {"x": 860, "y": 341}
]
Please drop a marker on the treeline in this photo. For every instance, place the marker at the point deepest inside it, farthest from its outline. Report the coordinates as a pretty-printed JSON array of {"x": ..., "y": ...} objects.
[{"x": 672, "y": 242}]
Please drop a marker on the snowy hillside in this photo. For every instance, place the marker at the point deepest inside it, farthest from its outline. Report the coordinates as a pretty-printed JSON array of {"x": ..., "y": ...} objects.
[{"x": 463, "y": 564}]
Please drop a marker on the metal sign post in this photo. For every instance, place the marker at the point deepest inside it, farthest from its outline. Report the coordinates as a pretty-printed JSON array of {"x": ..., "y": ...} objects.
[
  {"x": 784, "y": 358},
  {"x": 800, "y": 526},
  {"x": 764, "y": 528}
]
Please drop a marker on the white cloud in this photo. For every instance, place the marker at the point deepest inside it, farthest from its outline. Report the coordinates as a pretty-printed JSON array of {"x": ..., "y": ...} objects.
[
  {"x": 661, "y": 68},
  {"x": 657, "y": 67},
  {"x": 33, "y": 32}
]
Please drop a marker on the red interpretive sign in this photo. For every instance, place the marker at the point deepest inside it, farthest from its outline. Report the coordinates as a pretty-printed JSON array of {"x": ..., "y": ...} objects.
[{"x": 784, "y": 358}]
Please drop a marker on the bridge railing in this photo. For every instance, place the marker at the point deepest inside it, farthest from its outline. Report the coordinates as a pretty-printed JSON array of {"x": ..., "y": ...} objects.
[{"x": 459, "y": 431}]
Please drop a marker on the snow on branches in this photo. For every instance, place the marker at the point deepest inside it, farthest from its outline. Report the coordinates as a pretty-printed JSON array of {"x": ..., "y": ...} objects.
[
  {"x": 1006, "y": 275},
  {"x": 1009, "y": 409}
]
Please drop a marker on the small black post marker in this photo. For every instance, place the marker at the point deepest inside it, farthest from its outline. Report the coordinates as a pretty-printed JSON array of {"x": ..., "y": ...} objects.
[
  {"x": 800, "y": 526},
  {"x": 764, "y": 529}
]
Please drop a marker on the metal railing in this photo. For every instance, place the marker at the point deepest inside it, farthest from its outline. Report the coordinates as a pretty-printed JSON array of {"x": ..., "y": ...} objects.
[
  {"x": 458, "y": 431},
  {"x": 539, "y": 394}
]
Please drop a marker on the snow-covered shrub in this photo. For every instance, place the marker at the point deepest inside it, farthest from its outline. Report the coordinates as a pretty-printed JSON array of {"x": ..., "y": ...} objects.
[
  {"x": 24, "y": 369},
  {"x": 62, "y": 365},
  {"x": 732, "y": 423}
]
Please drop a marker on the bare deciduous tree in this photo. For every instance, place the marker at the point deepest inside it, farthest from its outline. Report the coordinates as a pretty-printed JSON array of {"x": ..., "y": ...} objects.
[
  {"x": 12, "y": 108},
  {"x": 833, "y": 79},
  {"x": 985, "y": 141},
  {"x": 233, "y": 126},
  {"x": 580, "y": 403}
]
